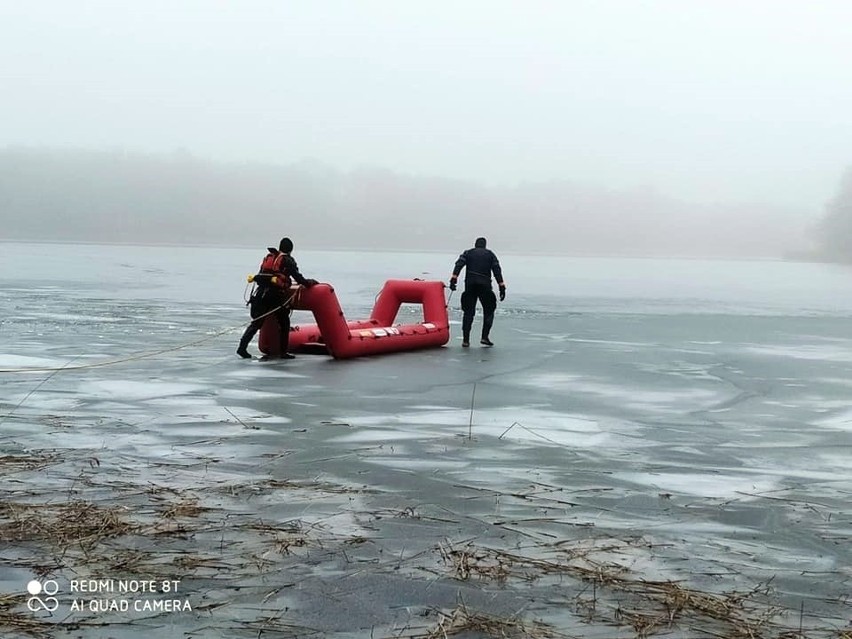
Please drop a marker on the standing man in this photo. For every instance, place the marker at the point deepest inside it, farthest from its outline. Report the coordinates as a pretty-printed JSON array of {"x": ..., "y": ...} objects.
[
  {"x": 480, "y": 263},
  {"x": 273, "y": 296}
]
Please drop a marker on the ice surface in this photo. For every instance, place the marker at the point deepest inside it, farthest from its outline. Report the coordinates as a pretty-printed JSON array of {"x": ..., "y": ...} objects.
[{"x": 695, "y": 415}]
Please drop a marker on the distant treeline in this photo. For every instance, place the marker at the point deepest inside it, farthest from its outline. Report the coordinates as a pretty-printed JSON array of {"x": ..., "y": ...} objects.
[
  {"x": 73, "y": 195},
  {"x": 835, "y": 233}
]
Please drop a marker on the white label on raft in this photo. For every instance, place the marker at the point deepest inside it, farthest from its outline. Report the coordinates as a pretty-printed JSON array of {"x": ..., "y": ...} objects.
[
  {"x": 379, "y": 332},
  {"x": 366, "y": 333},
  {"x": 428, "y": 325},
  {"x": 392, "y": 331}
]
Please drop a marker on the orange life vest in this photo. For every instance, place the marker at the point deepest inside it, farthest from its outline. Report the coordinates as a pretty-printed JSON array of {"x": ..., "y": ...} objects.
[{"x": 273, "y": 265}]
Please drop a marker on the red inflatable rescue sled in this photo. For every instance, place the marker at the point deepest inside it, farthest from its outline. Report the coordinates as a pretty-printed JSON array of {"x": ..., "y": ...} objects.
[{"x": 378, "y": 334}]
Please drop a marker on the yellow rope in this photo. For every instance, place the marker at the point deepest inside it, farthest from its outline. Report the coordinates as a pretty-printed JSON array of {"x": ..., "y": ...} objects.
[{"x": 132, "y": 358}]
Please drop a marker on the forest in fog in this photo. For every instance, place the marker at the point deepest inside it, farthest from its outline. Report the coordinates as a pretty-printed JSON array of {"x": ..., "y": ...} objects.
[{"x": 176, "y": 198}]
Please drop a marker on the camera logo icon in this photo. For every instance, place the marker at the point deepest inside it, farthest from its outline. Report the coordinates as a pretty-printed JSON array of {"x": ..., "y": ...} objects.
[{"x": 36, "y": 589}]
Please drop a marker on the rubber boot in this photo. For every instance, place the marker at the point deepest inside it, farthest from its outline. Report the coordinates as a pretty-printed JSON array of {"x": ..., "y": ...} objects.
[
  {"x": 245, "y": 340},
  {"x": 467, "y": 324},
  {"x": 487, "y": 322},
  {"x": 284, "y": 342}
]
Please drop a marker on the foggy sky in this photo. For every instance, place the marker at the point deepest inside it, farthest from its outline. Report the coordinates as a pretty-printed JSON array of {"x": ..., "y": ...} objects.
[{"x": 710, "y": 100}]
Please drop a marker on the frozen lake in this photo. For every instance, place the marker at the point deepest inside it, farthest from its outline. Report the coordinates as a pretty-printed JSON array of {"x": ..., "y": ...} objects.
[{"x": 645, "y": 432}]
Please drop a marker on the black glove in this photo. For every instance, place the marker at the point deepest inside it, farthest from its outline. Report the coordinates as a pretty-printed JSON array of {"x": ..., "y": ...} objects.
[
  {"x": 502, "y": 293},
  {"x": 452, "y": 285},
  {"x": 310, "y": 283}
]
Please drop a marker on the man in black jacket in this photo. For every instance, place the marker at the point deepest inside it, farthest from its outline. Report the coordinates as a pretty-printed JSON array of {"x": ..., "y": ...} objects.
[
  {"x": 273, "y": 296},
  {"x": 480, "y": 263}
]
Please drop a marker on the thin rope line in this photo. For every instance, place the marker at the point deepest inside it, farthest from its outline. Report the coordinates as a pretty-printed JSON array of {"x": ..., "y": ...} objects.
[
  {"x": 39, "y": 385},
  {"x": 133, "y": 358}
]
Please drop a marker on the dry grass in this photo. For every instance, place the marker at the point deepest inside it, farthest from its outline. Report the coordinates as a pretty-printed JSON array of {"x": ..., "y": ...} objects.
[
  {"x": 230, "y": 545},
  {"x": 75, "y": 523},
  {"x": 32, "y": 461},
  {"x": 470, "y": 561},
  {"x": 182, "y": 508},
  {"x": 283, "y": 538},
  {"x": 265, "y": 486},
  {"x": 15, "y": 618},
  {"x": 621, "y": 599},
  {"x": 188, "y": 562},
  {"x": 462, "y": 620}
]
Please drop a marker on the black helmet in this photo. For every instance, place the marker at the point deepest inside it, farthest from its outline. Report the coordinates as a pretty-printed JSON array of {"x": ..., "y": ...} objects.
[
  {"x": 286, "y": 245},
  {"x": 480, "y": 242}
]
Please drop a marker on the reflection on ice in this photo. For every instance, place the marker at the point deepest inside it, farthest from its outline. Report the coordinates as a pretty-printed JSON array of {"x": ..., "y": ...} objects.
[
  {"x": 136, "y": 390},
  {"x": 27, "y": 361},
  {"x": 71, "y": 318},
  {"x": 824, "y": 352},
  {"x": 243, "y": 394},
  {"x": 630, "y": 397},
  {"x": 519, "y": 424},
  {"x": 264, "y": 370},
  {"x": 742, "y": 487},
  {"x": 840, "y": 421}
]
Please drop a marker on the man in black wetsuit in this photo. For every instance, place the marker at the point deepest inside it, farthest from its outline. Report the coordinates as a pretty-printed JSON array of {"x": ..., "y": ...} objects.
[
  {"x": 273, "y": 296},
  {"x": 480, "y": 263}
]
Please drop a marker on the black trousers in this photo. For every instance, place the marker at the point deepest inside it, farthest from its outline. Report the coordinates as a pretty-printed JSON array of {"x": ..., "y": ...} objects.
[
  {"x": 260, "y": 306},
  {"x": 483, "y": 294}
]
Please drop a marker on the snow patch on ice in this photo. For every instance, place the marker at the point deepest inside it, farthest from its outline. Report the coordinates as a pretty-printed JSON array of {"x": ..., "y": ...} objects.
[{"x": 711, "y": 486}]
